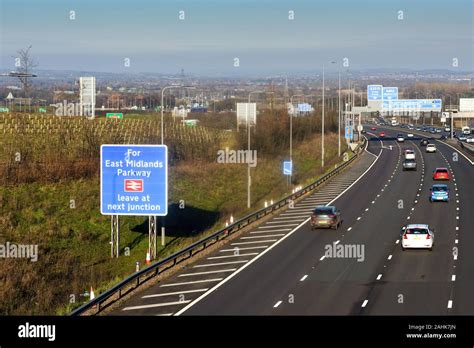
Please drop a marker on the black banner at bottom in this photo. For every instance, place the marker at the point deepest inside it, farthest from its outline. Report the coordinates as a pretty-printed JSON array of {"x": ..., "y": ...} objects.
[{"x": 236, "y": 330}]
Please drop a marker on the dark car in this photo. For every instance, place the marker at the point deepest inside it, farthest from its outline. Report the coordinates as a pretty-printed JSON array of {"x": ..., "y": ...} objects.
[
  {"x": 325, "y": 216},
  {"x": 424, "y": 142}
]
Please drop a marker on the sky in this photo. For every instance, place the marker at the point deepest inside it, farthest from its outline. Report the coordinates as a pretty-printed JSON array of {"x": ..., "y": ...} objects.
[{"x": 105, "y": 35}]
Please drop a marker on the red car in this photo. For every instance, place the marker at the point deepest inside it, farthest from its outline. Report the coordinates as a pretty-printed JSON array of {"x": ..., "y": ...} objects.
[
  {"x": 441, "y": 174},
  {"x": 373, "y": 128},
  {"x": 382, "y": 134}
]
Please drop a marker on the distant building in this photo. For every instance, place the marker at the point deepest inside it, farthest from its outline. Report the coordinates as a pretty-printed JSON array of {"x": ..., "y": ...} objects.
[{"x": 87, "y": 95}]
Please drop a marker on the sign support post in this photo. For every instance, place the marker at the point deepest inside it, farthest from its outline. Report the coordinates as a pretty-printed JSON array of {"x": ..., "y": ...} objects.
[
  {"x": 152, "y": 236},
  {"x": 114, "y": 236}
]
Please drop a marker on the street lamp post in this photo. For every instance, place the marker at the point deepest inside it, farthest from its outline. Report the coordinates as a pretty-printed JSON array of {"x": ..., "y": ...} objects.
[
  {"x": 339, "y": 119},
  {"x": 322, "y": 127},
  {"x": 291, "y": 135},
  {"x": 162, "y": 108},
  {"x": 249, "y": 179}
]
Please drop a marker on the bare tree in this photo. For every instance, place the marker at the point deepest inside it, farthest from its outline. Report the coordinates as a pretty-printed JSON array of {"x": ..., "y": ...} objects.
[{"x": 25, "y": 64}]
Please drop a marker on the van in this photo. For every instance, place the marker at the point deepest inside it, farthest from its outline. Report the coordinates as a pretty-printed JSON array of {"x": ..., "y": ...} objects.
[
  {"x": 466, "y": 130},
  {"x": 409, "y": 154}
]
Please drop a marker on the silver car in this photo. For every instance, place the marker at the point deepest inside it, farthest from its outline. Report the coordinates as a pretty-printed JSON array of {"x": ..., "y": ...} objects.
[{"x": 409, "y": 164}]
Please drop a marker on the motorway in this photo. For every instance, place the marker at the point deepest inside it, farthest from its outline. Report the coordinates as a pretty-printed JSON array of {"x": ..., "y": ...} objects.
[{"x": 281, "y": 267}]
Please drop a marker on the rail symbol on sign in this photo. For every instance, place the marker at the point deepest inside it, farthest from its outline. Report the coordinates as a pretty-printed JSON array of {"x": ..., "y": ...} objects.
[{"x": 133, "y": 185}]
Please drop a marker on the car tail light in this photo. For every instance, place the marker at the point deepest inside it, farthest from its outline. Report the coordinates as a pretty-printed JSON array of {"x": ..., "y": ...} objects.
[
  {"x": 428, "y": 236},
  {"x": 332, "y": 216},
  {"x": 405, "y": 236}
]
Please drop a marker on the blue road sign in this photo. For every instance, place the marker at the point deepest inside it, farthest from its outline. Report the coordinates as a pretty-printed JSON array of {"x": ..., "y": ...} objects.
[
  {"x": 374, "y": 92},
  {"x": 287, "y": 167},
  {"x": 413, "y": 105},
  {"x": 390, "y": 93},
  {"x": 134, "y": 180},
  {"x": 305, "y": 107},
  {"x": 349, "y": 134}
]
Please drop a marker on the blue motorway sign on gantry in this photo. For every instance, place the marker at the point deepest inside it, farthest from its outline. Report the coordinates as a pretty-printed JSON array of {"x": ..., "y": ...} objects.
[
  {"x": 134, "y": 180},
  {"x": 390, "y": 93},
  {"x": 413, "y": 105},
  {"x": 287, "y": 167},
  {"x": 374, "y": 92}
]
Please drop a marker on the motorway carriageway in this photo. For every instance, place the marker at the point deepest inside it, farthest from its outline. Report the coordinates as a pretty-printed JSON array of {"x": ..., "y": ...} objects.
[{"x": 290, "y": 275}]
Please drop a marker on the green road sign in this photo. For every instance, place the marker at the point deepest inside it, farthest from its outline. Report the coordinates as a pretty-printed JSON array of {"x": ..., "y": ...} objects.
[
  {"x": 114, "y": 115},
  {"x": 190, "y": 122},
  {"x": 158, "y": 108},
  {"x": 42, "y": 110},
  {"x": 2, "y": 109}
]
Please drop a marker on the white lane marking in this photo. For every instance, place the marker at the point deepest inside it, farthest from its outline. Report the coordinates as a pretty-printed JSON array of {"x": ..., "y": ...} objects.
[
  {"x": 289, "y": 223},
  {"x": 293, "y": 214},
  {"x": 164, "y": 315},
  {"x": 295, "y": 209},
  {"x": 264, "y": 227},
  {"x": 277, "y": 304},
  {"x": 397, "y": 241},
  {"x": 239, "y": 249},
  {"x": 336, "y": 242},
  {"x": 455, "y": 256},
  {"x": 389, "y": 257},
  {"x": 193, "y": 282},
  {"x": 453, "y": 278},
  {"x": 156, "y": 305},
  {"x": 271, "y": 231},
  {"x": 358, "y": 218},
  {"x": 350, "y": 228},
  {"x": 366, "y": 209},
  {"x": 304, "y": 277},
  {"x": 175, "y": 293},
  {"x": 450, "y": 304},
  {"x": 281, "y": 240},
  {"x": 456, "y": 241},
  {"x": 365, "y": 303},
  {"x": 322, "y": 258},
  {"x": 379, "y": 276},
  {"x": 265, "y": 236},
  {"x": 295, "y": 218},
  {"x": 227, "y": 256},
  {"x": 257, "y": 241},
  {"x": 207, "y": 272},
  {"x": 221, "y": 263}
]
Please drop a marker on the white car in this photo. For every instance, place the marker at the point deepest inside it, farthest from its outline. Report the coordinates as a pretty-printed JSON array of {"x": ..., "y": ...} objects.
[
  {"x": 419, "y": 236},
  {"x": 400, "y": 138},
  {"x": 447, "y": 129},
  {"x": 431, "y": 148},
  {"x": 409, "y": 154},
  {"x": 470, "y": 139},
  {"x": 410, "y": 135}
]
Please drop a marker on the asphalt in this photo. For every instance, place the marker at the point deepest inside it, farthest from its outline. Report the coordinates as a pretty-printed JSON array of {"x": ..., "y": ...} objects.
[
  {"x": 171, "y": 295},
  {"x": 287, "y": 270}
]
